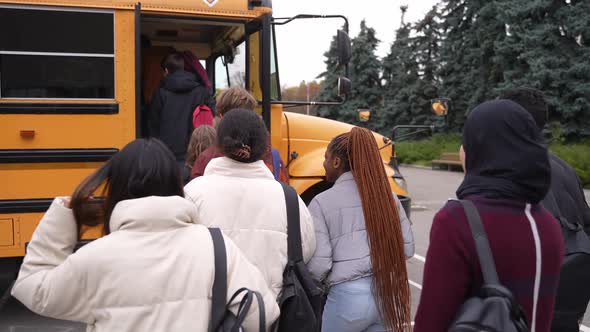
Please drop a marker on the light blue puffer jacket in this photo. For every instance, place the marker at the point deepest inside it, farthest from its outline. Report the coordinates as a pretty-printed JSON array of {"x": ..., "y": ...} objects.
[{"x": 342, "y": 247}]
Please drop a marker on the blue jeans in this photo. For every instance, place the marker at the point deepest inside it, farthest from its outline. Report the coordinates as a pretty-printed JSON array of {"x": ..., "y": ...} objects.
[{"x": 351, "y": 307}]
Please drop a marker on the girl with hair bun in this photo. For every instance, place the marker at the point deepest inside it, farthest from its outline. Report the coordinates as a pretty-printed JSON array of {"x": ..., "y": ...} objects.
[{"x": 239, "y": 194}]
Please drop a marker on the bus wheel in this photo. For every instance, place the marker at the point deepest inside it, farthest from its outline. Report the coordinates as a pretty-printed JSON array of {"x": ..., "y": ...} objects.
[
  {"x": 8, "y": 272},
  {"x": 312, "y": 191}
]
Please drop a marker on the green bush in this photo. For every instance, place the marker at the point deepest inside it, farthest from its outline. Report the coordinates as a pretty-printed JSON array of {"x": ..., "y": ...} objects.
[
  {"x": 578, "y": 156},
  {"x": 422, "y": 152}
]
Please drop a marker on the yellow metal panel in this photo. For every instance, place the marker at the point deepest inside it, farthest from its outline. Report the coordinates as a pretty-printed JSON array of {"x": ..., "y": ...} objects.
[
  {"x": 254, "y": 64},
  {"x": 309, "y": 136},
  {"x": 125, "y": 74},
  {"x": 79, "y": 130},
  {"x": 24, "y": 226},
  {"x": 122, "y": 4},
  {"x": 18, "y": 247},
  {"x": 6, "y": 232},
  {"x": 276, "y": 128},
  {"x": 91, "y": 233},
  {"x": 226, "y": 8},
  {"x": 64, "y": 131},
  {"x": 28, "y": 181}
]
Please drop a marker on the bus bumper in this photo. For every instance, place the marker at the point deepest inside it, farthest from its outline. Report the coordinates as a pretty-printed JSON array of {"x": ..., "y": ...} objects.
[{"x": 406, "y": 204}]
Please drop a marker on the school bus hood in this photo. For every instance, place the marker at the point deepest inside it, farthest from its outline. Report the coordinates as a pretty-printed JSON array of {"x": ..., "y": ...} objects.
[{"x": 308, "y": 137}]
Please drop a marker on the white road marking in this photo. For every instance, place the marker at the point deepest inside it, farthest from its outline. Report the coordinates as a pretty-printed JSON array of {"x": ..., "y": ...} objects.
[
  {"x": 420, "y": 258},
  {"x": 415, "y": 284}
]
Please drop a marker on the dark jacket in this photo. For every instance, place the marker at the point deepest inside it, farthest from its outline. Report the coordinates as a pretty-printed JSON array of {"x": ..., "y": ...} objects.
[
  {"x": 170, "y": 114},
  {"x": 568, "y": 193},
  {"x": 452, "y": 272},
  {"x": 507, "y": 175}
]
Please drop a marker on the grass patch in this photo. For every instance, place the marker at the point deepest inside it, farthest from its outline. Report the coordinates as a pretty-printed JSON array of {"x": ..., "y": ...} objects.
[
  {"x": 422, "y": 152},
  {"x": 577, "y": 156}
]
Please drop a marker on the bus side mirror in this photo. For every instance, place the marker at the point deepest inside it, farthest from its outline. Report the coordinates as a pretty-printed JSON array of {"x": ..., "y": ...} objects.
[
  {"x": 344, "y": 48},
  {"x": 440, "y": 106},
  {"x": 364, "y": 115},
  {"x": 344, "y": 86}
]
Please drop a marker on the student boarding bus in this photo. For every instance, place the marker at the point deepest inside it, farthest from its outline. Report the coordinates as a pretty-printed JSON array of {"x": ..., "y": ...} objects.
[{"x": 76, "y": 76}]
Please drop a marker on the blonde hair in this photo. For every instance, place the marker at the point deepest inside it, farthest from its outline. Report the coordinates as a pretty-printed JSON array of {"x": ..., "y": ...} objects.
[
  {"x": 202, "y": 138},
  {"x": 233, "y": 98}
]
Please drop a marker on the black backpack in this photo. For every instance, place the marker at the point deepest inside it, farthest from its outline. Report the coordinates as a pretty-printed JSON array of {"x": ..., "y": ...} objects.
[
  {"x": 301, "y": 299},
  {"x": 573, "y": 291},
  {"x": 222, "y": 319},
  {"x": 493, "y": 308}
]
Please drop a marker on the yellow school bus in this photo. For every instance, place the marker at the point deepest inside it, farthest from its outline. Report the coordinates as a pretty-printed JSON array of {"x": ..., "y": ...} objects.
[{"x": 76, "y": 75}]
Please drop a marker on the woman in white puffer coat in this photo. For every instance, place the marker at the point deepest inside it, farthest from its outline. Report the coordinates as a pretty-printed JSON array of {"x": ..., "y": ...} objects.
[
  {"x": 154, "y": 269},
  {"x": 239, "y": 194}
]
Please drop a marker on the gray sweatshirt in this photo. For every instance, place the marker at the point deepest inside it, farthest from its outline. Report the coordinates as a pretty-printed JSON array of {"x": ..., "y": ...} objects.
[{"x": 342, "y": 246}]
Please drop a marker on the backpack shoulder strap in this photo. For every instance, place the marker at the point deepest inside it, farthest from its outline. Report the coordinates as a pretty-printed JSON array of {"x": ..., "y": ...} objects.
[
  {"x": 219, "y": 298},
  {"x": 484, "y": 253},
  {"x": 276, "y": 163},
  {"x": 295, "y": 253}
]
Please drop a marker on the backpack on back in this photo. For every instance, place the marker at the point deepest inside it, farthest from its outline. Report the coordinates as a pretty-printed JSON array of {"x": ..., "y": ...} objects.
[
  {"x": 222, "y": 319},
  {"x": 301, "y": 300},
  {"x": 493, "y": 308},
  {"x": 276, "y": 163},
  {"x": 202, "y": 115}
]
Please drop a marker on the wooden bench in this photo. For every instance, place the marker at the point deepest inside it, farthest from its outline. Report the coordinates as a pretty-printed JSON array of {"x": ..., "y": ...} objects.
[{"x": 448, "y": 159}]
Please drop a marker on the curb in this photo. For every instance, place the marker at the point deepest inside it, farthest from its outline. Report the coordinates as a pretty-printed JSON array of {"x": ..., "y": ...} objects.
[{"x": 424, "y": 167}]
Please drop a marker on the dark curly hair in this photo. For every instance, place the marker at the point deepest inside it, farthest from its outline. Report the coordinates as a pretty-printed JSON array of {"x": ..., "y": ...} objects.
[
  {"x": 242, "y": 136},
  {"x": 530, "y": 99}
]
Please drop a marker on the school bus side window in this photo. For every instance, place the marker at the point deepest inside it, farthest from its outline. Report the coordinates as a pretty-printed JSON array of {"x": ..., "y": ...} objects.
[{"x": 50, "y": 52}]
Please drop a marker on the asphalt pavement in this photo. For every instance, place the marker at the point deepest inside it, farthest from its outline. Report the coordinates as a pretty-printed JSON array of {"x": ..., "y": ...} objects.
[{"x": 430, "y": 190}]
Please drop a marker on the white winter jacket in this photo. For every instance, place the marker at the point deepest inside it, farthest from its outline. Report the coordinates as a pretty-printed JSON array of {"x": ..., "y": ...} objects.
[
  {"x": 248, "y": 204},
  {"x": 154, "y": 272}
]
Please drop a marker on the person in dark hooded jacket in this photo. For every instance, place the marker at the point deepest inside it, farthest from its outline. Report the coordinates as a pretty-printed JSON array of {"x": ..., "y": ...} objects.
[
  {"x": 507, "y": 174},
  {"x": 173, "y": 103},
  {"x": 565, "y": 200}
]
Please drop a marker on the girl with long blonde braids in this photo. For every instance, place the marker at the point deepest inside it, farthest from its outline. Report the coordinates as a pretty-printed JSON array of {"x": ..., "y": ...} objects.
[{"x": 363, "y": 238}]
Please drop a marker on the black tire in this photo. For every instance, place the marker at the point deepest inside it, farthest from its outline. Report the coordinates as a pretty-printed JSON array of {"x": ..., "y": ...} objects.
[{"x": 314, "y": 190}]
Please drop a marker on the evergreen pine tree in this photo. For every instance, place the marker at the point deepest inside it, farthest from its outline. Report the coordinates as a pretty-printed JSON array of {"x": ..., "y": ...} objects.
[
  {"x": 469, "y": 70},
  {"x": 329, "y": 85},
  {"x": 426, "y": 49},
  {"x": 578, "y": 27},
  {"x": 546, "y": 47},
  {"x": 400, "y": 73},
  {"x": 365, "y": 74}
]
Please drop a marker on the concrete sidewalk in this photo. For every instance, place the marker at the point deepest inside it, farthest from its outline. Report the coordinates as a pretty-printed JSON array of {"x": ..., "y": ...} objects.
[{"x": 587, "y": 193}]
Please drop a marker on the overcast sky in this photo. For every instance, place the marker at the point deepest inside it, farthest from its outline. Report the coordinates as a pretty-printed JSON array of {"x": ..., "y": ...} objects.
[{"x": 302, "y": 43}]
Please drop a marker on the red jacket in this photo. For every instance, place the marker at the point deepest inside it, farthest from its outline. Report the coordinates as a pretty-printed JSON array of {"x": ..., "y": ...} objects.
[
  {"x": 452, "y": 272},
  {"x": 213, "y": 152}
]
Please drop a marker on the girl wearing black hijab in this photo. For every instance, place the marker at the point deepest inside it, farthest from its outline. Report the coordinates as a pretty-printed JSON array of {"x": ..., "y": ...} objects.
[{"x": 506, "y": 175}]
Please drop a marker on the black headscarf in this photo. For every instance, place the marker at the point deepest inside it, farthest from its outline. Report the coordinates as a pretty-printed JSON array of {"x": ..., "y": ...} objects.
[{"x": 505, "y": 157}]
